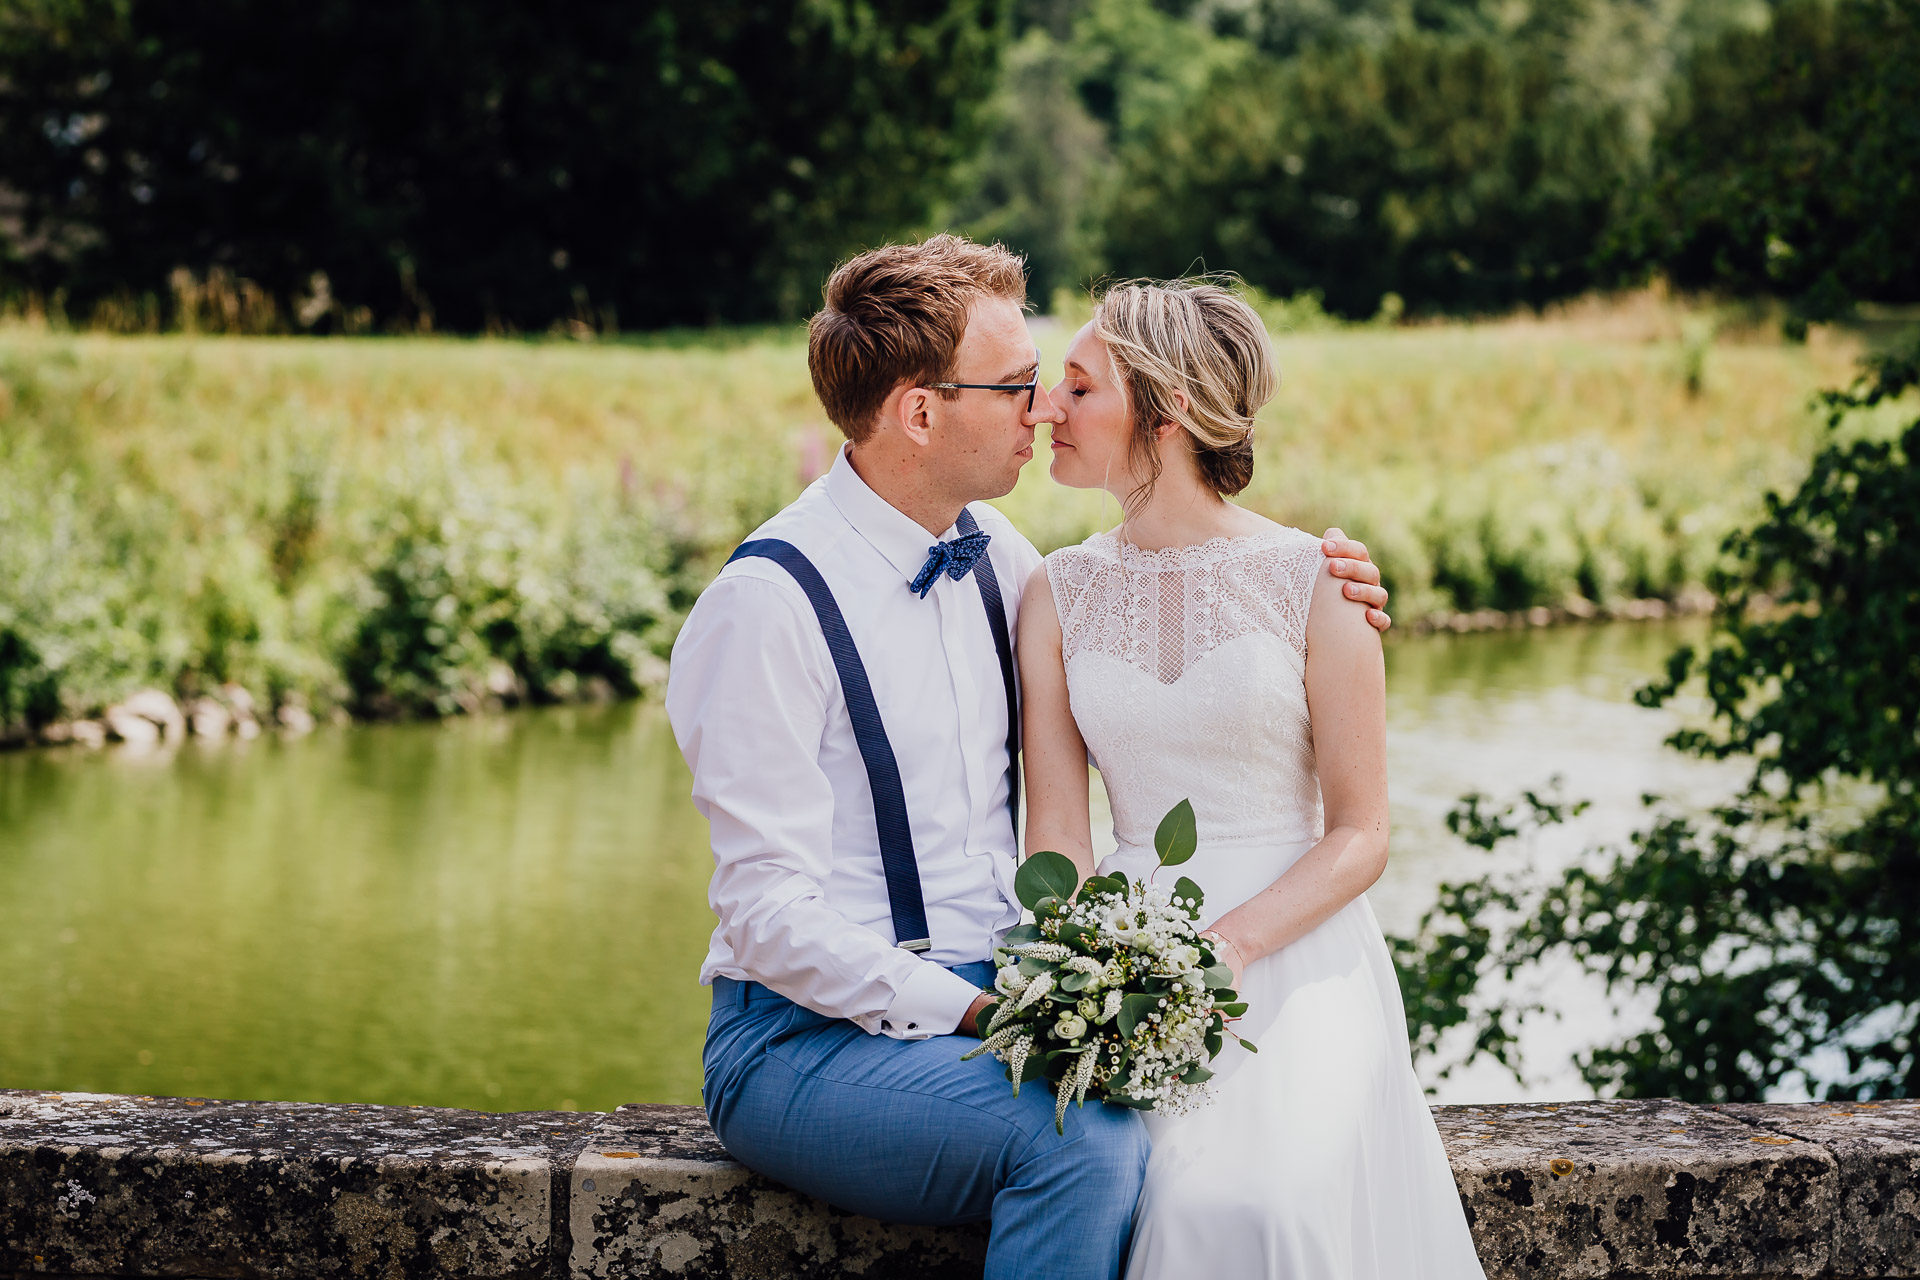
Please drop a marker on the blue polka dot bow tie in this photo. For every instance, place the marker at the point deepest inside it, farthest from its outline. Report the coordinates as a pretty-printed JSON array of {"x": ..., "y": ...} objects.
[{"x": 955, "y": 559}]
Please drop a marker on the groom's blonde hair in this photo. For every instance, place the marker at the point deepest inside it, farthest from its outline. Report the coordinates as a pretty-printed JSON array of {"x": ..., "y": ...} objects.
[{"x": 896, "y": 315}]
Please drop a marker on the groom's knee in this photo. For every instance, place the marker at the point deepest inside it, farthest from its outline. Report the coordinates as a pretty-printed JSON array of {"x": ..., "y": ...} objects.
[{"x": 1103, "y": 1152}]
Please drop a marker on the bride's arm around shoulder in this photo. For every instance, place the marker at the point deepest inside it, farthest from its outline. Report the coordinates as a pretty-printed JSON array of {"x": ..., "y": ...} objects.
[
  {"x": 1053, "y": 753},
  {"x": 1347, "y": 701}
]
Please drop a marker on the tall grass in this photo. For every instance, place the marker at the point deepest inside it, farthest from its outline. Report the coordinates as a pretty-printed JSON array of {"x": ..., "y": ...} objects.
[{"x": 424, "y": 525}]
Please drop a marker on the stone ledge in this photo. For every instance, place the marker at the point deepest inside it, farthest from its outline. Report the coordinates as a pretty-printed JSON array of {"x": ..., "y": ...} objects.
[{"x": 100, "y": 1185}]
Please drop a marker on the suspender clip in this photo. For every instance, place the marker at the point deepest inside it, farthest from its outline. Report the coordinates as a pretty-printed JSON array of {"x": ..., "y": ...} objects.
[{"x": 917, "y": 944}]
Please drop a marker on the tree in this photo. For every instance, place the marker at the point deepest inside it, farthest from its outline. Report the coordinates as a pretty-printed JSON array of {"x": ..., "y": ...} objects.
[
  {"x": 1462, "y": 168},
  {"x": 483, "y": 163},
  {"x": 1790, "y": 165},
  {"x": 1786, "y": 924}
]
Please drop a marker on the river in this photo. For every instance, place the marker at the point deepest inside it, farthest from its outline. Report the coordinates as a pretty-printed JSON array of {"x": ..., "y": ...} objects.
[{"x": 508, "y": 912}]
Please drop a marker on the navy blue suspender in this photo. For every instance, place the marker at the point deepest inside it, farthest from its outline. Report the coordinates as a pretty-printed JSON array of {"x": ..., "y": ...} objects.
[
  {"x": 1003, "y": 645},
  {"x": 897, "y": 858}
]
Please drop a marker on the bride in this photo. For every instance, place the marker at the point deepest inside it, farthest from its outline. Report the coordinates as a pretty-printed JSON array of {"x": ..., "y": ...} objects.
[{"x": 1200, "y": 651}]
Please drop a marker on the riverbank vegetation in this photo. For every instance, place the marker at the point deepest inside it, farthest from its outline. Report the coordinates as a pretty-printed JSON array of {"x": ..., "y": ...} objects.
[
  {"x": 424, "y": 526},
  {"x": 1773, "y": 939}
]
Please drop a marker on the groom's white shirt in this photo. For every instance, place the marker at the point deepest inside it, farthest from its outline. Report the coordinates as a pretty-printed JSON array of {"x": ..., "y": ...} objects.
[{"x": 758, "y": 711}]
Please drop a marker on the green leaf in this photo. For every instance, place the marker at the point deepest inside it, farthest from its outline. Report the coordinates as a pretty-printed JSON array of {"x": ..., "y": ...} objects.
[
  {"x": 1196, "y": 1074},
  {"x": 1043, "y": 875},
  {"x": 1122, "y": 1100},
  {"x": 1075, "y": 982},
  {"x": 1233, "y": 1010},
  {"x": 1249, "y": 1045},
  {"x": 1021, "y": 934},
  {"x": 1134, "y": 1010},
  {"x": 1185, "y": 888},
  {"x": 1214, "y": 1041},
  {"x": 1078, "y": 935},
  {"x": 1178, "y": 835},
  {"x": 1114, "y": 884},
  {"x": 1217, "y": 976}
]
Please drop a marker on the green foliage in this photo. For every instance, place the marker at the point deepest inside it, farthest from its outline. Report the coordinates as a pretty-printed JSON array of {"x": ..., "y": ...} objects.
[
  {"x": 1177, "y": 837},
  {"x": 1781, "y": 927},
  {"x": 437, "y": 585},
  {"x": 1788, "y": 164},
  {"x": 474, "y": 165},
  {"x": 1045, "y": 874},
  {"x": 1451, "y": 170}
]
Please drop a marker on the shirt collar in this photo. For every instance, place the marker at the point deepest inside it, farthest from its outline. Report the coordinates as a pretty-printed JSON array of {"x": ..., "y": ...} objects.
[{"x": 893, "y": 533}]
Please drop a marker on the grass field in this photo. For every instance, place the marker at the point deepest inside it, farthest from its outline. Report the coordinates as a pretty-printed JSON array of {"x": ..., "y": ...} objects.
[{"x": 396, "y": 525}]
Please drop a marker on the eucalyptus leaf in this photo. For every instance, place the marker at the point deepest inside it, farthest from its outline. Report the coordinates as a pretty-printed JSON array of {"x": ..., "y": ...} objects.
[
  {"x": 1073, "y": 934},
  {"x": 1185, "y": 888},
  {"x": 1233, "y": 1010},
  {"x": 1045, "y": 874},
  {"x": 1217, "y": 976},
  {"x": 1075, "y": 982},
  {"x": 1196, "y": 1074},
  {"x": 1021, "y": 934},
  {"x": 1113, "y": 884},
  {"x": 1178, "y": 835},
  {"x": 1134, "y": 1010}
]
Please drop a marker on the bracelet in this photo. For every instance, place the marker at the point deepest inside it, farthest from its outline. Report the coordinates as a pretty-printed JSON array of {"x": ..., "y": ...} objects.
[{"x": 1225, "y": 941}]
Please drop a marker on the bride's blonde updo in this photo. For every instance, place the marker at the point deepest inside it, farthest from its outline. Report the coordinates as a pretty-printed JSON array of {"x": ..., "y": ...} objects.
[{"x": 1191, "y": 338}]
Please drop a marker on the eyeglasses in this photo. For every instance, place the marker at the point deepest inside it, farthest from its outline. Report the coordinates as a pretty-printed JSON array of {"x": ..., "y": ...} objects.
[{"x": 1029, "y": 387}]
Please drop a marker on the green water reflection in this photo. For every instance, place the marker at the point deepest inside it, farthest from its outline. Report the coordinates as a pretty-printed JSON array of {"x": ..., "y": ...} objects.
[
  {"x": 502, "y": 914},
  {"x": 508, "y": 913}
]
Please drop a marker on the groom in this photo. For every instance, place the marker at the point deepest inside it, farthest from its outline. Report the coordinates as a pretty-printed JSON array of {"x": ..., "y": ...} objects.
[{"x": 843, "y": 694}]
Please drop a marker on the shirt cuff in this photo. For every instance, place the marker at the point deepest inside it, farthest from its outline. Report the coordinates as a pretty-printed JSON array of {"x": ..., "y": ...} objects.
[{"x": 930, "y": 1002}]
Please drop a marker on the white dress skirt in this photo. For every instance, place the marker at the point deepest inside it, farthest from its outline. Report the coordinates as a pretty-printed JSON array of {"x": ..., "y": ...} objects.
[{"x": 1317, "y": 1158}]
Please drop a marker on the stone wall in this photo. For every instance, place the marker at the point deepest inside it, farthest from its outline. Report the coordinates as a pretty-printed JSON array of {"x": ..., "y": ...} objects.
[{"x": 183, "y": 1187}]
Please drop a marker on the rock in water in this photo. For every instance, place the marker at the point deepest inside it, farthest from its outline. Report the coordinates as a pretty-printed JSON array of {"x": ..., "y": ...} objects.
[
  {"x": 209, "y": 718},
  {"x": 157, "y": 708},
  {"x": 135, "y": 730}
]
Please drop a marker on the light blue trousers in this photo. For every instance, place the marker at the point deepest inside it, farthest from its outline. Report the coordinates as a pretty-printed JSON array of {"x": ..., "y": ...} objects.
[{"x": 904, "y": 1131}]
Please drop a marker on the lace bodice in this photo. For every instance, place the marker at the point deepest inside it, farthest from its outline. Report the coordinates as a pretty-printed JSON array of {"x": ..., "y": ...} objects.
[{"x": 1186, "y": 673}]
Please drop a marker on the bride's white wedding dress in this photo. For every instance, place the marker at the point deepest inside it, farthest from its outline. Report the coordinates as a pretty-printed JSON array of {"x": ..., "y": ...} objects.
[{"x": 1317, "y": 1158}]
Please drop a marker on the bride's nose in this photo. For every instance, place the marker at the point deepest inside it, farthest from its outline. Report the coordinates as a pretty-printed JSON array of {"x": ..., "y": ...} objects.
[{"x": 1046, "y": 408}]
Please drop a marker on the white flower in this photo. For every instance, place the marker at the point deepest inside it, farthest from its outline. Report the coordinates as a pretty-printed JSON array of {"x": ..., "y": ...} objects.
[
  {"x": 1052, "y": 952},
  {"x": 1088, "y": 1007},
  {"x": 1070, "y": 1027},
  {"x": 1036, "y": 989},
  {"x": 1008, "y": 981},
  {"x": 1120, "y": 922},
  {"x": 1016, "y": 1059}
]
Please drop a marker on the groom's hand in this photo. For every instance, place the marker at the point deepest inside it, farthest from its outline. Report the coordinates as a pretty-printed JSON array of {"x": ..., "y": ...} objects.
[
  {"x": 1350, "y": 561},
  {"x": 970, "y": 1020}
]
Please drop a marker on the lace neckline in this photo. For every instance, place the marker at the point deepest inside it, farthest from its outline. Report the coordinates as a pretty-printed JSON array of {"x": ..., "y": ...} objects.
[{"x": 1132, "y": 557}]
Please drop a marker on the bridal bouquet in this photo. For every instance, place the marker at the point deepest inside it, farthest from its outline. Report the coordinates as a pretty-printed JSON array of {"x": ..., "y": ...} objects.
[{"x": 1111, "y": 991}]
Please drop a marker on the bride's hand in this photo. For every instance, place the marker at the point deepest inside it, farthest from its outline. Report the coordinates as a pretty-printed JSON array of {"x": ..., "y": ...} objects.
[{"x": 1227, "y": 952}]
